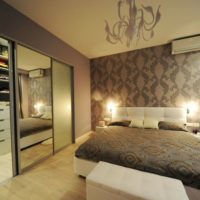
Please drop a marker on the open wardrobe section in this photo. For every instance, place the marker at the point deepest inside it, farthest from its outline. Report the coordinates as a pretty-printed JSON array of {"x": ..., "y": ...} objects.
[
  {"x": 36, "y": 108},
  {"x": 6, "y": 111}
]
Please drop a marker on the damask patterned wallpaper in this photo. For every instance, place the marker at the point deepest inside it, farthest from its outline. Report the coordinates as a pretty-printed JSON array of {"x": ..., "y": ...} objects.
[
  {"x": 40, "y": 90},
  {"x": 150, "y": 77}
]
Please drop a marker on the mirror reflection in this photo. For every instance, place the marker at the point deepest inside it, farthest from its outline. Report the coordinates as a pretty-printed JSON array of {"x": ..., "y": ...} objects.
[{"x": 35, "y": 105}]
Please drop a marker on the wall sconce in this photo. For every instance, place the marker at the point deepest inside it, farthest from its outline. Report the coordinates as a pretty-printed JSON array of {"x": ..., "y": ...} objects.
[
  {"x": 191, "y": 107},
  {"x": 38, "y": 107},
  {"x": 111, "y": 107}
]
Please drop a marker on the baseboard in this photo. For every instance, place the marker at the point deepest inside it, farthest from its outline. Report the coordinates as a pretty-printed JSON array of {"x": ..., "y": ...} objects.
[{"x": 82, "y": 137}]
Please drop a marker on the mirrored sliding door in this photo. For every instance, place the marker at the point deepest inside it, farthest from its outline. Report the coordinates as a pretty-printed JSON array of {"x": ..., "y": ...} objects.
[
  {"x": 62, "y": 104},
  {"x": 34, "y": 106}
]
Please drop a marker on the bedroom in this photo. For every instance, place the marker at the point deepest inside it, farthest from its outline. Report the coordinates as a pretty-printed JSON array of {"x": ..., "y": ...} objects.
[{"x": 124, "y": 76}]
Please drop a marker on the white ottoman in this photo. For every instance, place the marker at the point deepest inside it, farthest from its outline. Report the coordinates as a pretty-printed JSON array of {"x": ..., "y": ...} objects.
[{"x": 113, "y": 182}]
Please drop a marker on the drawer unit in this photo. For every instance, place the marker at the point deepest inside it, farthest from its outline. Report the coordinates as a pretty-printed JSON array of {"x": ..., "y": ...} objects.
[
  {"x": 5, "y": 146},
  {"x": 99, "y": 129},
  {"x": 4, "y": 124},
  {"x": 4, "y": 112},
  {"x": 4, "y": 134}
]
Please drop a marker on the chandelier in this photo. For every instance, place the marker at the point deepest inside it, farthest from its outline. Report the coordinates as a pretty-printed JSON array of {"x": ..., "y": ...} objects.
[{"x": 134, "y": 25}]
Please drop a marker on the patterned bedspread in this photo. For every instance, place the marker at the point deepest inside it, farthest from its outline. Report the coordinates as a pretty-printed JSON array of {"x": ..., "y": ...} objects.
[
  {"x": 30, "y": 126},
  {"x": 169, "y": 153}
]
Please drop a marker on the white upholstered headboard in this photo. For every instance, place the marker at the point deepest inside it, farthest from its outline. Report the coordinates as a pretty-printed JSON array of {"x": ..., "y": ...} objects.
[{"x": 177, "y": 114}]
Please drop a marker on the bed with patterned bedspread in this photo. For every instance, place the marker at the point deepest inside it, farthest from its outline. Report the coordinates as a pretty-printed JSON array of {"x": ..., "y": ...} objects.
[
  {"x": 30, "y": 126},
  {"x": 169, "y": 153}
]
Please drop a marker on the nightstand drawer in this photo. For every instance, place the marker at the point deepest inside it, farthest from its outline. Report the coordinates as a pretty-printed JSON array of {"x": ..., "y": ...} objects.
[
  {"x": 4, "y": 124},
  {"x": 5, "y": 146},
  {"x": 4, "y": 134},
  {"x": 4, "y": 112}
]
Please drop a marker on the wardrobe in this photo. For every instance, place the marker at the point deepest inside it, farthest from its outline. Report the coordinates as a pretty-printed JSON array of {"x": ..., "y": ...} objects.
[{"x": 36, "y": 107}]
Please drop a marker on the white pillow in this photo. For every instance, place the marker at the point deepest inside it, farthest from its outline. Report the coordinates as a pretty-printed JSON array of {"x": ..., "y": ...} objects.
[
  {"x": 151, "y": 123},
  {"x": 47, "y": 115},
  {"x": 138, "y": 123}
]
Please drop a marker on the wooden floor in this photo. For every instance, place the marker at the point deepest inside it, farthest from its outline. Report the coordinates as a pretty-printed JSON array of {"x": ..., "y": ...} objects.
[
  {"x": 53, "y": 179},
  {"x": 5, "y": 167},
  {"x": 34, "y": 153}
]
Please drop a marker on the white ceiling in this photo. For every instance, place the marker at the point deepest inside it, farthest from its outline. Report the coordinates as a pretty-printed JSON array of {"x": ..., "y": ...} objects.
[
  {"x": 81, "y": 23},
  {"x": 28, "y": 59}
]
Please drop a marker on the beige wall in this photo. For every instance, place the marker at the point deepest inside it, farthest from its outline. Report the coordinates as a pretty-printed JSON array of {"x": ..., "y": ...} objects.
[{"x": 16, "y": 26}]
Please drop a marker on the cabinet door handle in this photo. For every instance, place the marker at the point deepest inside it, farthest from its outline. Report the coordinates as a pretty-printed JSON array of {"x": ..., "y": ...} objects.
[
  {"x": 1, "y": 109},
  {"x": 1, "y": 120},
  {"x": 2, "y": 130},
  {"x": 2, "y": 140}
]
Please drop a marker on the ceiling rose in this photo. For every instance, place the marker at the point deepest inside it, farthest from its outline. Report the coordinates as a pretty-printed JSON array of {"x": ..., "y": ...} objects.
[{"x": 138, "y": 23}]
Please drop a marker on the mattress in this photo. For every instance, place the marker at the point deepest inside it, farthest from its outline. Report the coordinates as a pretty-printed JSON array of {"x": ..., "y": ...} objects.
[
  {"x": 173, "y": 154},
  {"x": 29, "y": 126}
]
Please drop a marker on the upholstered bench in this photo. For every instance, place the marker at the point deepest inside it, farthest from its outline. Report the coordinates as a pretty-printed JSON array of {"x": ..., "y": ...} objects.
[{"x": 113, "y": 182}]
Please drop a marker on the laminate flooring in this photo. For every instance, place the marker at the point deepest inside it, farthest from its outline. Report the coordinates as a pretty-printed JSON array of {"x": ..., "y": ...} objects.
[
  {"x": 53, "y": 179},
  {"x": 5, "y": 167}
]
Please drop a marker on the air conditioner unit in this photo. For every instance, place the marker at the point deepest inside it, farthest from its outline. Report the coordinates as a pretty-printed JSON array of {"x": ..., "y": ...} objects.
[
  {"x": 36, "y": 73},
  {"x": 186, "y": 45}
]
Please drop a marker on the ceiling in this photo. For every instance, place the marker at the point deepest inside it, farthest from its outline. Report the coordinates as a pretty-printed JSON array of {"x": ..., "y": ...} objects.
[
  {"x": 81, "y": 23},
  {"x": 28, "y": 59}
]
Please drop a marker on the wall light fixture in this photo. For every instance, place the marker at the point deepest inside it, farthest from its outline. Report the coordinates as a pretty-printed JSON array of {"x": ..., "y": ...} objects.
[{"x": 38, "y": 107}]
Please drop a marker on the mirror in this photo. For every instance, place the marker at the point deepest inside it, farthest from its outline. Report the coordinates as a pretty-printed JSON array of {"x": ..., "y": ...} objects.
[{"x": 35, "y": 105}]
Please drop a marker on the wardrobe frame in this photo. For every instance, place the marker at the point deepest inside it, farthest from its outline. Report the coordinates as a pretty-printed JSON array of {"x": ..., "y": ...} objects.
[{"x": 14, "y": 113}]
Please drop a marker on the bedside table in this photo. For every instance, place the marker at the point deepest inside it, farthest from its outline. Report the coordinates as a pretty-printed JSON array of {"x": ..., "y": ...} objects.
[
  {"x": 99, "y": 129},
  {"x": 197, "y": 135},
  {"x": 193, "y": 129}
]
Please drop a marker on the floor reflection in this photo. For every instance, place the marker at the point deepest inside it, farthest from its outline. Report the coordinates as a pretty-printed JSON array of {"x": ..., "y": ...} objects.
[{"x": 36, "y": 153}]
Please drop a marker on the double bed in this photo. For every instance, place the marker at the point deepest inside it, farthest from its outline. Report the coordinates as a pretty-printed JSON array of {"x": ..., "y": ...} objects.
[
  {"x": 34, "y": 130},
  {"x": 171, "y": 153}
]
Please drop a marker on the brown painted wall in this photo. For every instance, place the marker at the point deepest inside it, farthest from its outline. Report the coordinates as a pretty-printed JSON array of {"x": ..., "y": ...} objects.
[
  {"x": 147, "y": 77},
  {"x": 16, "y": 26}
]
